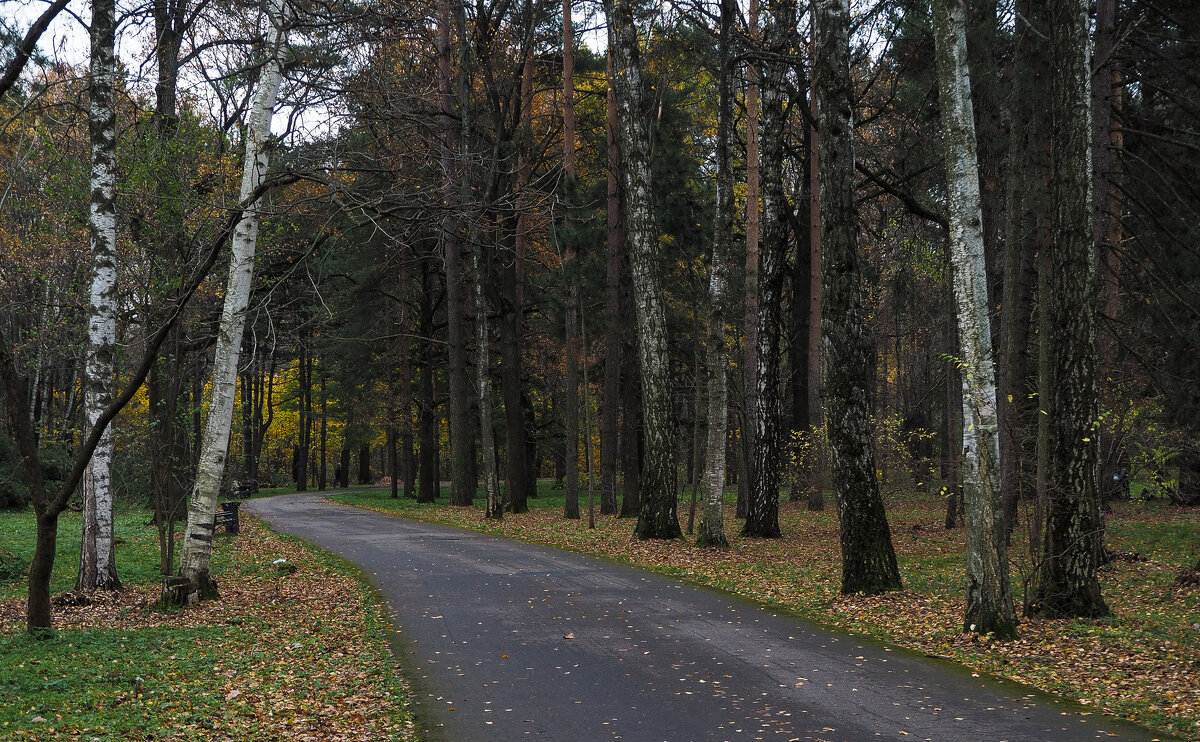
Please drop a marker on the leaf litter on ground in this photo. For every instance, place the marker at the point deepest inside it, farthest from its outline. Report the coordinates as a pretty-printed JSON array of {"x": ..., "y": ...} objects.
[{"x": 298, "y": 656}]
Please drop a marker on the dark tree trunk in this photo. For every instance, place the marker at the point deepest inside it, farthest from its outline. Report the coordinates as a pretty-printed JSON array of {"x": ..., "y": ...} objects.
[
  {"x": 1107, "y": 196},
  {"x": 462, "y": 442},
  {"x": 427, "y": 414},
  {"x": 868, "y": 560},
  {"x": 305, "y": 427},
  {"x": 816, "y": 499},
  {"x": 1027, "y": 234},
  {"x": 167, "y": 436},
  {"x": 516, "y": 443},
  {"x": 800, "y": 279},
  {"x": 610, "y": 421},
  {"x": 364, "y": 464},
  {"x": 571, "y": 304},
  {"x": 393, "y": 460},
  {"x": 1066, "y": 584},
  {"x": 321, "y": 479}
]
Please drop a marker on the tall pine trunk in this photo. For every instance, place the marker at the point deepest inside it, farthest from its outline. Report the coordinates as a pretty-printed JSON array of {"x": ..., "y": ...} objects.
[
  {"x": 750, "y": 322},
  {"x": 462, "y": 444},
  {"x": 1026, "y": 235},
  {"x": 989, "y": 596},
  {"x": 1065, "y": 584},
  {"x": 613, "y": 346},
  {"x": 197, "y": 543},
  {"x": 427, "y": 414},
  {"x": 816, "y": 498},
  {"x": 868, "y": 559},
  {"x": 570, "y": 244}
]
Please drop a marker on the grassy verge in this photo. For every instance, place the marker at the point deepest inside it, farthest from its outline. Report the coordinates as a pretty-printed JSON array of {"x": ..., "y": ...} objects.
[
  {"x": 1143, "y": 663},
  {"x": 280, "y": 656}
]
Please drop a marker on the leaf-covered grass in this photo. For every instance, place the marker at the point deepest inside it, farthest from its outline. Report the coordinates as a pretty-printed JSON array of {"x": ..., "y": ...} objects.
[
  {"x": 1143, "y": 663},
  {"x": 136, "y": 549},
  {"x": 279, "y": 656}
]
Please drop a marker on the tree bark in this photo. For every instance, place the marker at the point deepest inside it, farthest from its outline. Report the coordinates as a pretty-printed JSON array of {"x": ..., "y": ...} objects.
[
  {"x": 1027, "y": 235},
  {"x": 868, "y": 559},
  {"x": 97, "y": 567},
  {"x": 197, "y": 543},
  {"x": 364, "y": 464},
  {"x": 324, "y": 436},
  {"x": 750, "y": 323},
  {"x": 989, "y": 596},
  {"x": 462, "y": 443},
  {"x": 631, "y": 434},
  {"x": 763, "y": 431},
  {"x": 393, "y": 456},
  {"x": 568, "y": 239},
  {"x": 816, "y": 499},
  {"x": 427, "y": 415},
  {"x": 614, "y": 347},
  {"x": 657, "y": 516},
  {"x": 1107, "y": 199},
  {"x": 1065, "y": 584},
  {"x": 494, "y": 506},
  {"x": 712, "y": 515},
  {"x": 169, "y": 459}
]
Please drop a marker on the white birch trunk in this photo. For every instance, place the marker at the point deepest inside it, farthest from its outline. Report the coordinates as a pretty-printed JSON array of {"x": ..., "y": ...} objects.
[
  {"x": 989, "y": 597},
  {"x": 197, "y": 542},
  {"x": 712, "y": 516},
  {"x": 657, "y": 516},
  {"x": 97, "y": 570}
]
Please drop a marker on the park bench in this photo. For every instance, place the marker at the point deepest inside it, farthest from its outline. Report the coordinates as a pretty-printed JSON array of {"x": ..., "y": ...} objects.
[
  {"x": 174, "y": 590},
  {"x": 227, "y": 516}
]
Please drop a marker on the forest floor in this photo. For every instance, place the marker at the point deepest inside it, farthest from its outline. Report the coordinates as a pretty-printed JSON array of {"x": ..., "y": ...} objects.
[
  {"x": 282, "y": 655},
  {"x": 1142, "y": 663}
]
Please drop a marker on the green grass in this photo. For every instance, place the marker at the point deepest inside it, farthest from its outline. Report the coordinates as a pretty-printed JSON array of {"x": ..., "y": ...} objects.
[
  {"x": 116, "y": 683},
  {"x": 301, "y": 666},
  {"x": 136, "y": 551}
]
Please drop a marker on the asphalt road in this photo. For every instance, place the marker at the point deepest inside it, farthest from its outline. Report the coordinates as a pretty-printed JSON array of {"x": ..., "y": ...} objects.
[{"x": 507, "y": 641}]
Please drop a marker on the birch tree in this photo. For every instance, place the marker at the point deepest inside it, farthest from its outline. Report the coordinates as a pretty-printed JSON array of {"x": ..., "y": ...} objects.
[
  {"x": 197, "y": 542},
  {"x": 657, "y": 517},
  {"x": 97, "y": 569},
  {"x": 868, "y": 559},
  {"x": 989, "y": 597},
  {"x": 712, "y": 515},
  {"x": 764, "y": 409}
]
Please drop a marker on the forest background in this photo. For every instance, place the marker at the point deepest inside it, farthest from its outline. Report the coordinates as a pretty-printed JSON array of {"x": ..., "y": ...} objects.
[{"x": 717, "y": 248}]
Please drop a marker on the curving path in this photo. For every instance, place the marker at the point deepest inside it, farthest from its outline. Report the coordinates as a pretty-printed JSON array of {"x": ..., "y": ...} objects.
[{"x": 507, "y": 641}]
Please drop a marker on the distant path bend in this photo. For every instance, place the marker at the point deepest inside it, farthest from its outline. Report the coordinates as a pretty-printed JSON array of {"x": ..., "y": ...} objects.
[{"x": 511, "y": 641}]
